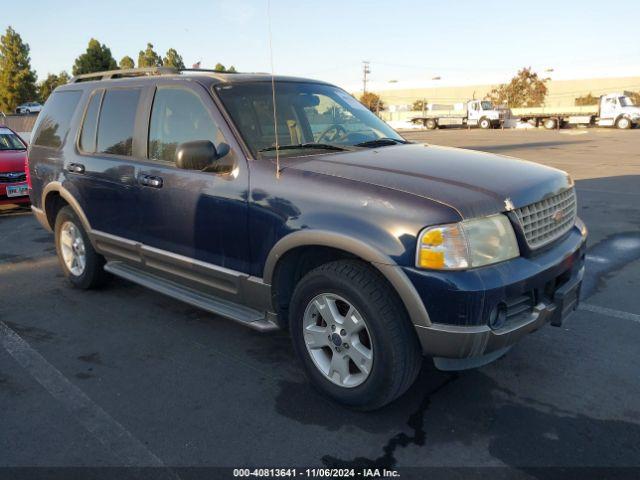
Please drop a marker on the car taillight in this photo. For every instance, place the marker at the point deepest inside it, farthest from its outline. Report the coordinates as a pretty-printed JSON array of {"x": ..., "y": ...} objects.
[{"x": 26, "y": 171}]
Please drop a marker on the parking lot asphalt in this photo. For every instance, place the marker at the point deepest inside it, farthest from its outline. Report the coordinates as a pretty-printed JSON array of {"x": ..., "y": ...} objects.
[{"x": 125, "y": 376}]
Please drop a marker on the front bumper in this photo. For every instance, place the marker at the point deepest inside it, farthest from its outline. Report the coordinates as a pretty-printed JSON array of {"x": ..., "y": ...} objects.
[{"x": 459, "y": 303}]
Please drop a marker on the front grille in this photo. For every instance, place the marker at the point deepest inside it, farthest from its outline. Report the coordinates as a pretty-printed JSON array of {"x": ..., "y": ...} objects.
[
  {"x": 545, "y": 221},
  {"x": 12, "y": 177}
]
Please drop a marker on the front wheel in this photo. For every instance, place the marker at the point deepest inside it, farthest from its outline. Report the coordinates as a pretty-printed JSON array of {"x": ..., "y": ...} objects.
[
  {"x": 623, "y": 123},
  {"x": 353, "y": 338},
  {"x": 485, "y": 123},
  {"x": 80, "y": 263}
]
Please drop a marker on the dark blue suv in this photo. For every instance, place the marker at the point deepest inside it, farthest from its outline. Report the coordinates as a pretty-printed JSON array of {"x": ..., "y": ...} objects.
[{"x": 284, "y": 203}]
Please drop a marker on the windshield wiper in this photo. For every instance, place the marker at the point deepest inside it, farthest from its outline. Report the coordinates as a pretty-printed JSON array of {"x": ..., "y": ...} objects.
[
  {"x": 380, "y": 142},
  {"x": 317, "y": 146}
]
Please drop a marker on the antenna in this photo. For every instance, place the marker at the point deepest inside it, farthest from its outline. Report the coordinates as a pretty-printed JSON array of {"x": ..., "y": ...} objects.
[{"x": 273, "y": 92}]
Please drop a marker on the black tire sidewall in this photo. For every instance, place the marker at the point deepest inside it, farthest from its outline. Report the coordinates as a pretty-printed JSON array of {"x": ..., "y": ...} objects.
[{"x": 379, "y": 377}]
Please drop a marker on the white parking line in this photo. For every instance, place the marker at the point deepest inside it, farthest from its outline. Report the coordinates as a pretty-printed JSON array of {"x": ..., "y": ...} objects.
[
  {"x": 99, "y": 423},
  {"x": 610, "y": 312}
]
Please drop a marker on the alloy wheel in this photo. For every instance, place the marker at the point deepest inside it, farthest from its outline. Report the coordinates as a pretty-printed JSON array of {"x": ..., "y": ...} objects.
[
  {"x": 338, "y": 340},
  {"x": 72, "y": 248}
]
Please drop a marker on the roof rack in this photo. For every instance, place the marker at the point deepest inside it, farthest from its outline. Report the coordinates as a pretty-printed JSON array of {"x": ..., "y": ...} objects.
[
  {"x": 129, "y": 72},
  {"x": 138, "y": 72}
]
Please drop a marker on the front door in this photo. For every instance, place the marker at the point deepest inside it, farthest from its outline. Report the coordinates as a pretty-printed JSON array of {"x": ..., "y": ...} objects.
[
  {"x": 473, "y": 113},
  {"x": 192, "y": 214}
]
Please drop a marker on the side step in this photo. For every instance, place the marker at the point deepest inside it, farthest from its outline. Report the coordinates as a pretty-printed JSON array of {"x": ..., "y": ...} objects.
[{"x": 247, "y": 316}]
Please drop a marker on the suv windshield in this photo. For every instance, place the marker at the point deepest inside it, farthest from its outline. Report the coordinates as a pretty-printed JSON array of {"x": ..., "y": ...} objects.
[
  {"x": 311, "y": 118},
  {"x": 10, "y": 141}
]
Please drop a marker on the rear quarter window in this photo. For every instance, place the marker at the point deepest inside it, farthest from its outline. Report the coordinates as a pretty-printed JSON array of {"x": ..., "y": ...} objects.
[{"x": 55, "y": 120}]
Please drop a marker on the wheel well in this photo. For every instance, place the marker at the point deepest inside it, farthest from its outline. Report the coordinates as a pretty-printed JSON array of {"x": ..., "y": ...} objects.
[
  {"x": 294, "y": 265},
  {"x": 53, "y": 202}
]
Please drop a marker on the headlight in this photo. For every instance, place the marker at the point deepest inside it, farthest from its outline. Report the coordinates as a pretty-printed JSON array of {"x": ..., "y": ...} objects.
[{"x": 467, "y": 244}]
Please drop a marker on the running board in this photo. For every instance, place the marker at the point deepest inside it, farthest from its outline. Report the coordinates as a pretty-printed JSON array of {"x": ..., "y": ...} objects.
[{"x": 244, "y": 315}]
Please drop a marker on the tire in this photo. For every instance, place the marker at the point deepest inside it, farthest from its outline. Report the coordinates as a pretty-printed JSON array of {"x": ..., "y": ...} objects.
[
  {"x": 623, "y": 123},
  {"x": 27, "y": 111},
  {"x": 385, "y": 328},
  {"x": 550, "y": 123},
  {"x": 89, "y": 275},
  {"x": 484, "y": 123},
  {"x": 430, "y": 124}
]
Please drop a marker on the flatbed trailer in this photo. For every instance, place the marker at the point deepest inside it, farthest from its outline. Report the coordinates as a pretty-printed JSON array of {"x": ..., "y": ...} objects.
[{"x": 612, "y": 110}]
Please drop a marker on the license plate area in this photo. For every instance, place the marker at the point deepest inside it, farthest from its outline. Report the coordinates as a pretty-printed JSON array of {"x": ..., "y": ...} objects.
[{"x": 17, "y": 190}]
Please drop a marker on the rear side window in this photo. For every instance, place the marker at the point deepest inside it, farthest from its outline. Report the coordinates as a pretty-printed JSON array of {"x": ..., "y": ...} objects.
[
  {"x": 55, "y": 120},
  {"x": 117, "y": 121},
  {"x": 90, "y": 124}
]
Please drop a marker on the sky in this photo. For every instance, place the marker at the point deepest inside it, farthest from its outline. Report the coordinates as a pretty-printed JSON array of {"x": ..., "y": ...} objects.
[{"x": 407, "y": 42}]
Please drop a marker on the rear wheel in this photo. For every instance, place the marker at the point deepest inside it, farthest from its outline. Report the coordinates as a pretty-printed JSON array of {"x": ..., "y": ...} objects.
[
  {"x": 80, "y": 263},
  {"x": 353, "y": 338},
  {"x": 430, "y": 124},
  {"x": 550, "y": 123},
  {"x": 623, "y": 123}
]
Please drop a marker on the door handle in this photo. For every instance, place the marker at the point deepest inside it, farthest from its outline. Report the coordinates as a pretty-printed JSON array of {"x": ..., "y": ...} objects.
[
  {"x": 150, "y": 181},
  {"x": 75, "y": 168}
]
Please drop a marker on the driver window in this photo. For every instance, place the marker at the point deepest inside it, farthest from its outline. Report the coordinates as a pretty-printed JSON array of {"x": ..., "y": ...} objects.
[{"x": 178, "y": 116}]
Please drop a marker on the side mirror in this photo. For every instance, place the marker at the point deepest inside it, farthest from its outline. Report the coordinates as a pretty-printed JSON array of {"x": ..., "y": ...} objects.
[{"x": 196, "y": 155}]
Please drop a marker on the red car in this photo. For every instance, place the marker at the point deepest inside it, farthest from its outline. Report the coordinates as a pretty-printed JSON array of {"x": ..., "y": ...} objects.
[{"x": 13, "y": 175}]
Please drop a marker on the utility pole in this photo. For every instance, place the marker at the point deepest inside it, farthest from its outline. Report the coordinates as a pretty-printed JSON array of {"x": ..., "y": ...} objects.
[{"x": 365, "y": 71}]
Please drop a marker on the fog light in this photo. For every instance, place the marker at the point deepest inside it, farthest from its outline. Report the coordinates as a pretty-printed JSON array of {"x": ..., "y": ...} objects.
[{"x": 498, "y": 316}]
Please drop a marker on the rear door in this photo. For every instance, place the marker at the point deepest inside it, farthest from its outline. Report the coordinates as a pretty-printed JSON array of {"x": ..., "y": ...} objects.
[
  {"x": 194, "y": 214},
  {"x": 108, "y": 144}
]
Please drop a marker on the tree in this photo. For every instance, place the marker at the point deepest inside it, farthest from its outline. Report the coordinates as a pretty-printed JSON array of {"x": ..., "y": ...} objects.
[
  {"x": 586, "y": 100},
  {"x": 97, "y": 58},
  {"x": 372, "y": 101},
  {"x": 173, "y": 59},
  {"x": 419, "y": 105},
  {"x": 17, "y": 80},
  {"x": 49, "y": 84},
  {"x": 126, "y": 62},
  {"x": 232, "y": 69},
  {"x": 219, "y": 67},
  {"x": 149, "y": 58},
  {"x": 526, "y": 89}
]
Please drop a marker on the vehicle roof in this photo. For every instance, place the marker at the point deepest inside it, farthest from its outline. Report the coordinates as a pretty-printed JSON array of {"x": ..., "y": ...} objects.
[{"x": 204, "y": 77}]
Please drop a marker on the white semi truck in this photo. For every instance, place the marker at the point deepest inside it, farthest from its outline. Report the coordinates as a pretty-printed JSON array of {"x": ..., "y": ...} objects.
[
  {"x": 474, "y": 113},
  {"x": 612, "y": 110}
]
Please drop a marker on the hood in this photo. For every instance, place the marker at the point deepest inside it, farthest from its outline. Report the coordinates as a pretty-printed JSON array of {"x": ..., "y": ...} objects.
[
  {"x": 473, "y": 183},
  {"x": 12, "y": 160}
]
